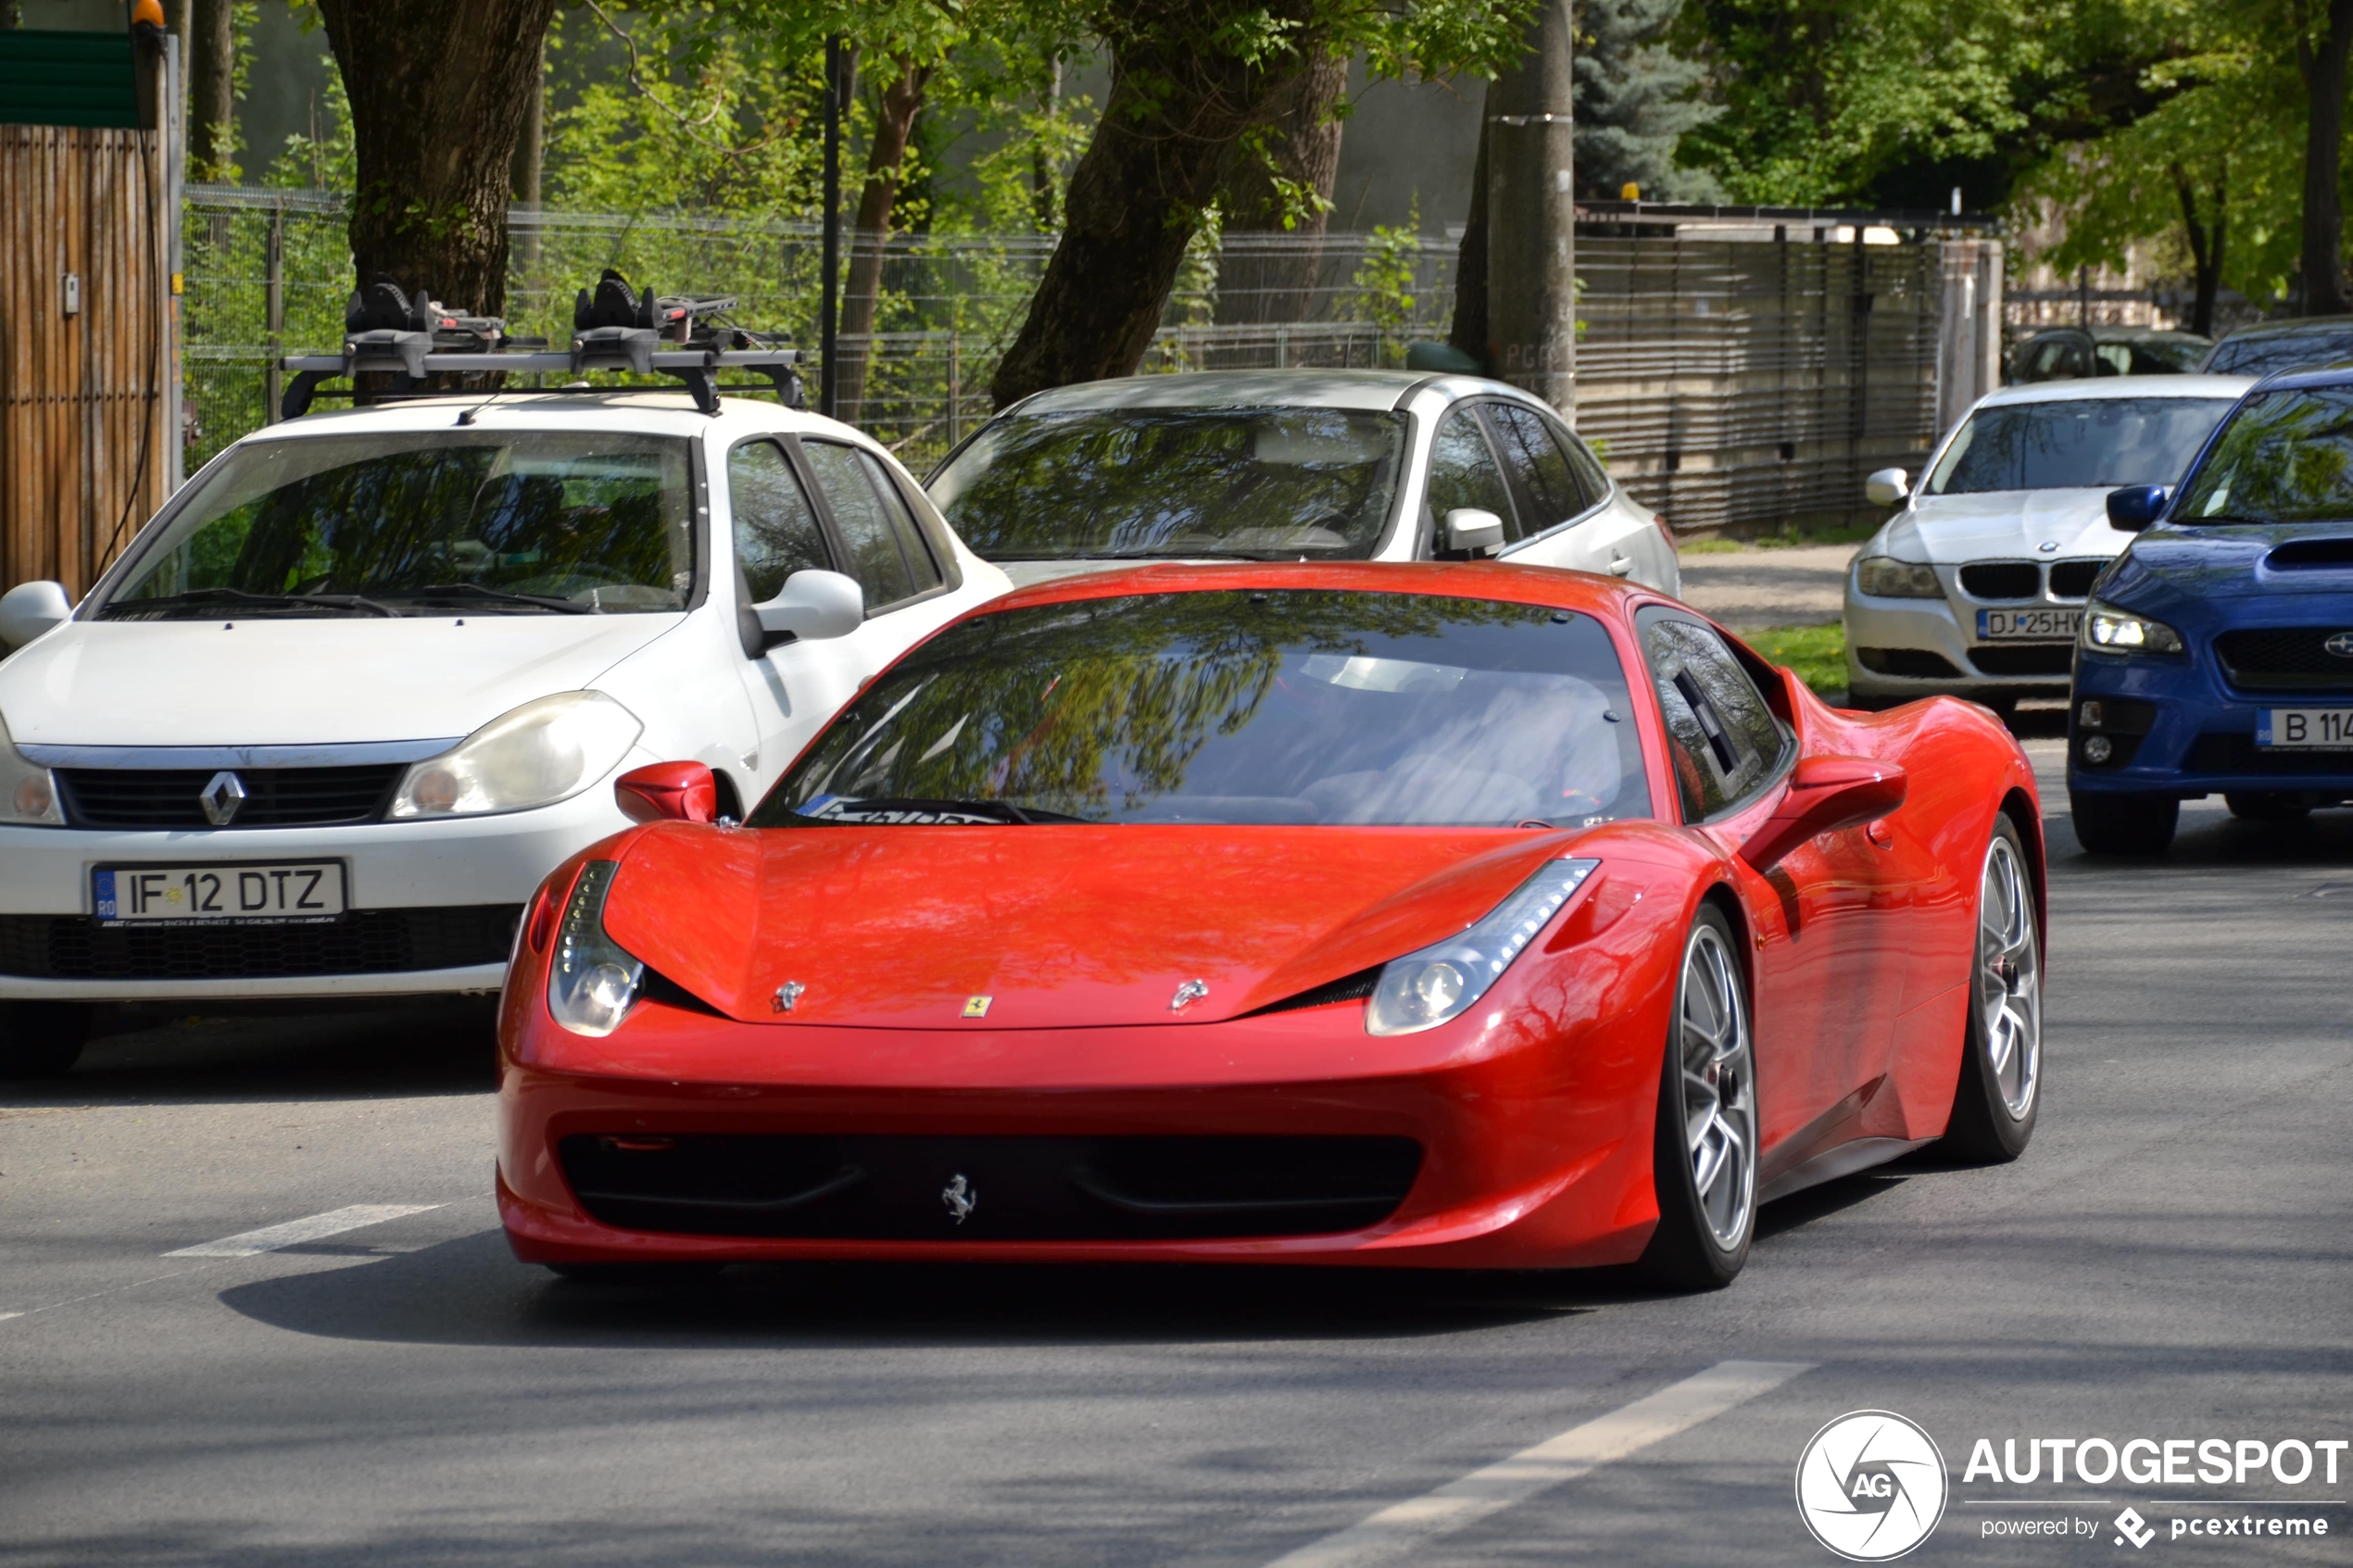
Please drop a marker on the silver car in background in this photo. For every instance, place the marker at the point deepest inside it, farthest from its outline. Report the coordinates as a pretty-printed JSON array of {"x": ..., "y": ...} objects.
[
  {"x": 1292, "y": 465},
  {"x": 1975, "y": 587}
]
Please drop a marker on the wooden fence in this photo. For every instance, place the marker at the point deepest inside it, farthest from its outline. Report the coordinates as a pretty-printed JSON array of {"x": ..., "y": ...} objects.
[{"x": 84, "y": 393}]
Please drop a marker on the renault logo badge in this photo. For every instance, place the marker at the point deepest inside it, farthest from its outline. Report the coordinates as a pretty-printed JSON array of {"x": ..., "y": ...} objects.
[
  {"x": 220, "y": 797},
  {"x": 2341, "y": 644}
]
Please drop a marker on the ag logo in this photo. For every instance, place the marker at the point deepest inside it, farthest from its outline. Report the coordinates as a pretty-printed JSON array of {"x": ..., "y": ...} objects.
[{"x": 1871, "y": 1485}]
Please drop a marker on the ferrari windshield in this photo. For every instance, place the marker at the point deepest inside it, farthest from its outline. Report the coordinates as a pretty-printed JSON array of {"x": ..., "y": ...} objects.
[
  {"x": 1265, "y": 706},
  {"x": 427, "y": 522},
  {"x": 2285, "y": 457},
  {"x": 2095, "y": 444},
  {"x": 1104, "y": 484}
]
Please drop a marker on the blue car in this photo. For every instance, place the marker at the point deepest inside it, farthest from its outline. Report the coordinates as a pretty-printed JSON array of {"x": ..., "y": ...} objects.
[{"x": 2216, "y": 654}]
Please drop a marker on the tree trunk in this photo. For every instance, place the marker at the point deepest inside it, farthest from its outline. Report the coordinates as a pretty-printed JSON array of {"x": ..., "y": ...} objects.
[
  {"x": 1531, "y": 231},
  {"x": 902, "y": 100},
  {"x": 2323, "y": 62},
  {"x": 1178, "y": 107},
  {"x": 439, "y": 93},
  {"x": 212, "y": 75},
  {"x": 1271, "y": 275},
  {"x": 1468, "y": 334},
  {"x": 2206, "y": 240},
  {"x": 528, "y": 174}
]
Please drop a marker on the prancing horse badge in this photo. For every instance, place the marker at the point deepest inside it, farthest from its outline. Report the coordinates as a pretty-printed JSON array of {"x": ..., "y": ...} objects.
[{"x": 961, "y": 1199}]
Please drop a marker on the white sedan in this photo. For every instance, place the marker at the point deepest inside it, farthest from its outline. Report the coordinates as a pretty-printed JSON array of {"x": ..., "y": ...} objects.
[
  {"x": 365, "y": 680},
  {"x": 1976, "y": 587},
  {"x": 1292, "y": 465}
]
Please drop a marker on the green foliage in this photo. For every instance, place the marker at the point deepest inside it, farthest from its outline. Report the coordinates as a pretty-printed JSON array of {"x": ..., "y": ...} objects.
[
  {"x": 1636, "y": 98},
  {"x": 1816, "y": 653},
  {"x": 1385, "y": 279}
]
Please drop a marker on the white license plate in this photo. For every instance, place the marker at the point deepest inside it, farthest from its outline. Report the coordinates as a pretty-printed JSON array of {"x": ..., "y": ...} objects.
[
  {"x": 289, "y": 893},
  {"x": 2305, "y": 729},
  {"x": 2029, "y": 625}
]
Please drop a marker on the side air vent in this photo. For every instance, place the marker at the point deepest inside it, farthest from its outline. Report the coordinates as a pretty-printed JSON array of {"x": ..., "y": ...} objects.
[
  {"x": 2310, "y": 555},
  {"x": 1347, "y": 988}
]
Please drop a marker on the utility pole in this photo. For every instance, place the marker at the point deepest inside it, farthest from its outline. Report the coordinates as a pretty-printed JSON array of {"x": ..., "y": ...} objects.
[
  {"x": 829, "y": 307},
  {"x": 1531, "y": 217}
]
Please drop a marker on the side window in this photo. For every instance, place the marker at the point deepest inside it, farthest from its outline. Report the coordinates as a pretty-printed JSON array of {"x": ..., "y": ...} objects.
[
  {"x": 1592, "y": 477},
  {"x": 776, "y": 531},
  {"x": 864, "y": 526},
  {"x": 2112, "y": 360},
  {"x": 912, "y": 542},
  {"x": 1546, "y": 483},
  {"x": 1725, "y": 742},
  {"x": 1463, "y": 473}
]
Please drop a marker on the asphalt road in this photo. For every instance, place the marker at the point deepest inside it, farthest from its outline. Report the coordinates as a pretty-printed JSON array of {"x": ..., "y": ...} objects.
[{"x": 2168, "y": 1262}]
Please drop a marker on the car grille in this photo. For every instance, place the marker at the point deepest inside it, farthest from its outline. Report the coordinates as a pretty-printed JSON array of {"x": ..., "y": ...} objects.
[
  {"x": 2283, "y": 659},
  {"x": 364, "y": 942},
  {"x": 1918, "y": 663},
  {"x": 2072, "y": 579},
  {"x": 2239, "y": 754},
  {"x": 2002, "y": 580},
  {"x": 2025, "y": 659},
  {"x": 275, "y": 798},
  {"x": 883, "y": 1187}
]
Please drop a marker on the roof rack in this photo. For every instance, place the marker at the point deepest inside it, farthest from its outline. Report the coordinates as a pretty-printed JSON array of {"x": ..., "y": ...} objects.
[{"x": 413, "y": 337}]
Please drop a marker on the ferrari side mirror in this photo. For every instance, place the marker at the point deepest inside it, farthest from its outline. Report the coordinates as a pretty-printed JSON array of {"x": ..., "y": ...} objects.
[
  {"x": 2135, "y": 506},
  {"x": 814, "y": 605},
  {"x": 29, "y": 609},
  {"x": 1887, "y": 487},
  {"x": 668, "y": 792},
  {"x": 1825, "y": 794},
  {"x": 1468, "y": 529}
]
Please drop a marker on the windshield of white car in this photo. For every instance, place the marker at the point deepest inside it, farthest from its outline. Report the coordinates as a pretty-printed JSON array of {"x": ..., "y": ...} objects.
[
  {"x": 426, "y": 522},
  {"x": 1271, "y": 483},
  {"x": 2095, "y": 444},
  {"x": 2262, "y": 353},
  {"x": 2285, "y": 457},
  {"x": 1295, "y": 707}
]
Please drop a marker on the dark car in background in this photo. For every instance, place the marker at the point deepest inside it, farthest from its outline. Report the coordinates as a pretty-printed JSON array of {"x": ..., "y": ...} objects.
[
  {"x": 2272, "y": 346},
  {"x": 2073, "y": 353}
]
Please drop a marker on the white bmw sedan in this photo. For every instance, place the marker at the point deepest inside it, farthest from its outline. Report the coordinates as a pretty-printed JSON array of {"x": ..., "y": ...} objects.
[
  {"x": 1292, "y": 465},
  {"x": 367, "y": 678},
  {"x": 1976, "y": 587}
]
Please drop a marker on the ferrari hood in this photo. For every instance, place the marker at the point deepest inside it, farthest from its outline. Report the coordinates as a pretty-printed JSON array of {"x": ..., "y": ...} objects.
[
  {"x": 302, "y": 681},
  {"x": 2005, "y": 525},
  {"x": 1045, "y": 927}
]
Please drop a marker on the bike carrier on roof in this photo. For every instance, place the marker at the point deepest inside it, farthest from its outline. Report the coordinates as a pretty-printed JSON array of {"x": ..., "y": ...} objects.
[{"x": 412, "y": 337}]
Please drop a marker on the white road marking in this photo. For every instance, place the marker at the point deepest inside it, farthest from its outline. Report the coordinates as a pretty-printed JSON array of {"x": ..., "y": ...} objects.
[
  {"x": 6, "y": 1316},
  {"x": 294, "y": 1233},
  {"x": 1399, "y": 1528}
]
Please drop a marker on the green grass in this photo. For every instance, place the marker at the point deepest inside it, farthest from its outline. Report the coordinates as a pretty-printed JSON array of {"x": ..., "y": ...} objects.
[
  {"x": 1711, "y": 547},
  {"x": 1816, "y": 653},
  {"x": 1796, "y": 538}
]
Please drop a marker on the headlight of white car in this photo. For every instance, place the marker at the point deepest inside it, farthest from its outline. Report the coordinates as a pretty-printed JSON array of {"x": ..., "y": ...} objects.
[
  {"x": 1423, "y": 990},
  {"x": 2109, "y": 629},
  {"x": 1884, "y": 577},
  {"x": 28, "y": 794},
  {"x": 540, "y": 753}
]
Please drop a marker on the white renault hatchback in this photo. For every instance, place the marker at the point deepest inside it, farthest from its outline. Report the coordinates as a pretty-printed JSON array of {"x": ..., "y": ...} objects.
[
  {"x": 1976, "y": 586},
  {"x": 365, "y": 680}
]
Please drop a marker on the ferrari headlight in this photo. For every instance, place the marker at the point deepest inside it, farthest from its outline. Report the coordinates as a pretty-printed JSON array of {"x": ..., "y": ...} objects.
[
  {"x": 540, "y": 753},
  {"x": 2109, "y": 629},
  {"x": 28, "y": 794},
  {"x": 1423, "y": 990},
  {"x": 1884, "y": 577},
  {"x": 591, "y": 983}
]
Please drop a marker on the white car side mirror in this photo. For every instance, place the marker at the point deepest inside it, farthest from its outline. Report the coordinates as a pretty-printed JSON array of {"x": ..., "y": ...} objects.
[
  {"x": 1467, "y": 528},
  {"x": 29, "y": 609},
  {"x": 1887, "y": 487},
  {"x": 814, "y": 605}
]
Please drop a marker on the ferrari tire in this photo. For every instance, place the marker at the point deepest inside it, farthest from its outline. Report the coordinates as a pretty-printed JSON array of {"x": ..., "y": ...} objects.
[
  {"x": 41, "y": 1039},
  {"x": 2268, "y": 807},
  {"x": 2000, "y": 1085},
  {"x": 2124, "y": 825},
  {"x": 1703, "y": 1160}
]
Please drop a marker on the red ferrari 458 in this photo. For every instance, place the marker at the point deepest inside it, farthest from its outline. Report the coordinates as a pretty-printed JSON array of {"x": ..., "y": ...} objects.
[{"x": 1451, "y": 915}]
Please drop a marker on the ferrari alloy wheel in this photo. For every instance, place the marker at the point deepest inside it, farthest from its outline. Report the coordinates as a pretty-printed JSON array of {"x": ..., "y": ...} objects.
[
  {"x": 41, "y": 1039},
  {"x": 2001, "y": 1076},
  {"x": 1704, "y": 1164}
]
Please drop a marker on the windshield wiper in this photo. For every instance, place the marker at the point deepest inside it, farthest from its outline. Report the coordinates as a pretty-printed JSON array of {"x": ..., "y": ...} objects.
[
  {"x": 2229, "y": 517},
  {"x": 476, "y": 591},
  {"x": 897, "y": 808},
  {"x": 239, "y": 596}
]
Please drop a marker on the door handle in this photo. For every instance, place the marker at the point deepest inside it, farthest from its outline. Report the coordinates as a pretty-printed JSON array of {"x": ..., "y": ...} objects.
[{"x": 1620, "y": 566}]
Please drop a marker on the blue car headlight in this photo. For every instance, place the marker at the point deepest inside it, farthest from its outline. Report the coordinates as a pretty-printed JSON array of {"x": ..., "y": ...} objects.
[
  {"x": 2109, "y": 629},
  {"x": 1425, "y": 989}
]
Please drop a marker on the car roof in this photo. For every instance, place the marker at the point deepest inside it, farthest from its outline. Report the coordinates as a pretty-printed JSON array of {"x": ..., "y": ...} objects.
[
  {"x": 2292, "y": 329},
  {"x": 2088, "y": 388},
  {"x": 648, "y": 410},
  {"x": 2338, "y": 374},
  {"x": 1467, "y": 580},
  {"x": 2120, "y": 334},
  {"x": 1367, "y": 390}
]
